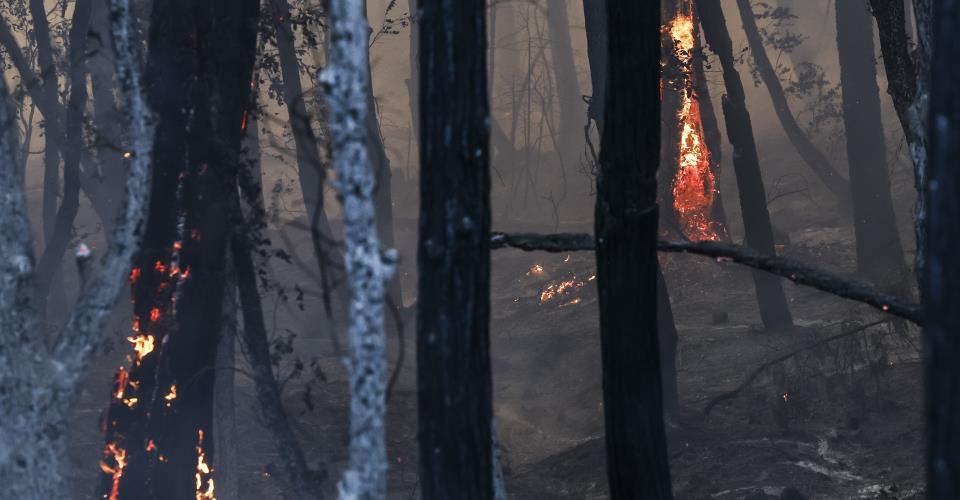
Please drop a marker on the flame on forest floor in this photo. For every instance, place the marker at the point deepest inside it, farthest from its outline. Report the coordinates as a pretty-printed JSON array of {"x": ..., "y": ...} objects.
[
  {"x": 694, "y": 187},
  {"x": 204, "y": 489}
]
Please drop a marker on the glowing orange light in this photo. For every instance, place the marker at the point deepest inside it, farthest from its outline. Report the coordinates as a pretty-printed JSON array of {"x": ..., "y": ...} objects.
[
  {"x": 694, "y": 187},
  {"x": 119, "y": 456},
  {"x": 134, "y": 275},
  {"x": 142, "y": 344},
  {"x": 204, "y": 484},
  {"x": 155, "y": 314}
]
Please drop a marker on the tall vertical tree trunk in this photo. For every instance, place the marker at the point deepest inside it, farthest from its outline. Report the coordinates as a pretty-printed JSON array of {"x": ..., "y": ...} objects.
[
  {"x": 568, "y": 84},
  {"x": 908, "y": 85},
  {"x": 879, "y": 253},
  {"x": 595, "y": 20},
  {"x": 811, "y": 155},
  {"x": 225, "y": 433},
  {"x": 941, "y": 285},
  {"x": 179, "y": 293},
  {"x": 453, "y": 308},
  {"x": 667, "y": 330},
  {"x": 626, "y": 233},
  {"x": 753, "y": 200}
]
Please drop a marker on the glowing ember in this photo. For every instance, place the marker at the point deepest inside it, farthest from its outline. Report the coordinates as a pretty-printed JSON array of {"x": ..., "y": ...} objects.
[
  {"x": 536, "y": 270},
  {"x": 143, "y": 344},
  {"x": 151, "y": 446},
  {"x": 134, "y": 275},
  {"x": 130, "y": 402},
  {"x": 559, "y": 289},
  {"x": 122, "y": 378},
  {"x": 119, "y": 458},
  {"x": 170, "y": 396},
  {"x": 573, "y": 302},
  {"x": 204, "y": 490},
  {"x": 694, "y": 187}
]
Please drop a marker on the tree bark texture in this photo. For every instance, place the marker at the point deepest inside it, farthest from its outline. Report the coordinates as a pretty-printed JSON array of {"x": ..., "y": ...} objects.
[
  {"x": 908, "y": 83},
  {"x": 346, "y": 83},
  {"x": 941, "y": 344},
  {"x": 626, "y": 228},
  {"x": 453, "y": 255},
  {"x": 753, "y": 200},
  {"x": 201, "y": 63},
  {"x": 39, "y": 384}
]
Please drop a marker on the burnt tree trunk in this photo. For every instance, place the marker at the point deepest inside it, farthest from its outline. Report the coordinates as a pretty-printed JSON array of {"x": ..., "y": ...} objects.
[
  {"x": 203, "y": 55},
  {"x": 667, "y": 329},
  {"x": 453, "y": 308},
  {"x": 626, "y": 229},
  {"x": 942, "y": 281},
  {"x": 753, "y": 200},
  {"x": 907, "y": 83},
  {"x": 879, "y": 252}
]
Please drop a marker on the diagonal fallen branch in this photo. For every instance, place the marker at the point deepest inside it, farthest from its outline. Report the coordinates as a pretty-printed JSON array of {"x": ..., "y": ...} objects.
[
  {"x": 793, "y": 270},
  {"x": 760, "y": 369}
]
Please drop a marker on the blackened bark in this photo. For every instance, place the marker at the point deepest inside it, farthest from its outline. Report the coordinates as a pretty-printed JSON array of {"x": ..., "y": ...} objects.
[
  {"x": 753, "y": 200},
  {"x": 942, "y": 281},
  {"x": 667, "y": 329},
  {"x": 225, "y": 435},
  {"x": 453, "y": 308},
  {"x": 626, "y": 228},
  {"x": 879, "y": 252},
  {"x": 811, "y": 155},
  {"x": 201, "y": 62},
  {"x": 711, "y": 129},
  {"x": 908, "y": 85}
]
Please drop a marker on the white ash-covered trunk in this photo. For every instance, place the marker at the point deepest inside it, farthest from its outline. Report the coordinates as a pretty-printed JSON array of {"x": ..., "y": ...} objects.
[
  {"x": 346, "y": 82},
  {"x": 38, "y": 383}
]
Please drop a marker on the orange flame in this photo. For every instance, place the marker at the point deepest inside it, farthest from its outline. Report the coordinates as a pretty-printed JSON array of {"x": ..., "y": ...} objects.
[
  {"x": 694, "y": 187},
  {"x": 119, "y": 456},
  {"x": 204, "y": 489},
  {"x": 143, "y": 344}
]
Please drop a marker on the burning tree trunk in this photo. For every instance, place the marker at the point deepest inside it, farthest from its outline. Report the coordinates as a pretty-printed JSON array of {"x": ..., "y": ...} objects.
[
  {"x": 879, "y": 253},
  {"x": 161, "y": 412},
  {"x": 626, "y": 228},
  {"x": 908, "y": 84},
  {"x": 39, "y": 384},
  {"x": 346, "y": 82},
  {"x": 753, "y": 201},
  {"x": 453, "y": 308},
  {"x": 942, "y": 281},
  {"x": 691, "y": 189},
  {"x": 814, "y": 158}
]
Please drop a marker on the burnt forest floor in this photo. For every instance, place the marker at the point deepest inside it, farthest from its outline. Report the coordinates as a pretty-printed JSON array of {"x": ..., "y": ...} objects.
[{"x": 843, "y": 420}]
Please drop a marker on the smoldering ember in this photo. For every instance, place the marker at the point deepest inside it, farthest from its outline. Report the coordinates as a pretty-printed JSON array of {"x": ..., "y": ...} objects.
[{"x": 467, "y": 249}]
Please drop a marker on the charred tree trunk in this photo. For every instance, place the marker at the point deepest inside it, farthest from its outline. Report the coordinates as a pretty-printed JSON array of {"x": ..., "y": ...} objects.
[
  {"x": 942, "y": 282},
  {"x": 908, "y": 85},
  {"x": 879, "y": 253},
  {"x": 667, "y": 330},
  {"x": 814, "y": 158},
  {"x": 203, "y": 54},
  {"x": 753, "y": 200},
  {"x": 453, "y": 308},
  {"x": 225, "y": 433},
  {"x": 626, "y": 229}
]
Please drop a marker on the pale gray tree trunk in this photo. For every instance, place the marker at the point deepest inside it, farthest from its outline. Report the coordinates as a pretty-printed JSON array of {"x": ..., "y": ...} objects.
[
  {"x": 346, "y": 82},
  {"x": 38, "y": 384}
]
